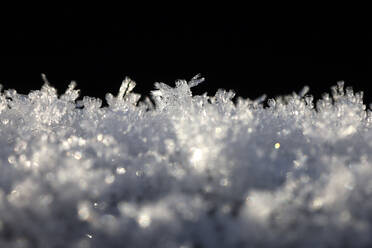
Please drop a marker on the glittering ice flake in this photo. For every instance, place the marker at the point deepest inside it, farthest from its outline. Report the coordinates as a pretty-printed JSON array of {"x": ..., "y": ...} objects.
[
  {"x": 120, "y": 170},
  {"x": 144, "y": 220}
]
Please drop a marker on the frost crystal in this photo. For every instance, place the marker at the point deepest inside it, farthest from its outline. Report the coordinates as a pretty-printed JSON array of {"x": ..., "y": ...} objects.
[{"x": 191, "y": 171}]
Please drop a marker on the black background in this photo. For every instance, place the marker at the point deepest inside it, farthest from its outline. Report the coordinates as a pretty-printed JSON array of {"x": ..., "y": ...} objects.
[{"x": 252, "y": 55}]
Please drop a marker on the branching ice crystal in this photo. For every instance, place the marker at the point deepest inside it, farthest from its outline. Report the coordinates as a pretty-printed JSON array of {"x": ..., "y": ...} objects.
[{"x": 189, "y": 171}]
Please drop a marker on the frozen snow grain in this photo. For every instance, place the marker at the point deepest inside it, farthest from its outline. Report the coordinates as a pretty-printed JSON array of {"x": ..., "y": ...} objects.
[{"x": 191, "y": 171}]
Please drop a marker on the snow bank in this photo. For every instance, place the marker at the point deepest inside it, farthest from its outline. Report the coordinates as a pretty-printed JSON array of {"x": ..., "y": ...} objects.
[{"x": 187, "y": 172}]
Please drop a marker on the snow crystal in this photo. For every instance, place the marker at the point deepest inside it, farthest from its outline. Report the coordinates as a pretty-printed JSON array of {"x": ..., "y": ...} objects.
[{"x": 187, "y": 171}]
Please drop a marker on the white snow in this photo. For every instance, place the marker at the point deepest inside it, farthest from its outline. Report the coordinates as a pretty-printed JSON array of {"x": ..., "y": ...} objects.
[{"x": 189, "y": 171}]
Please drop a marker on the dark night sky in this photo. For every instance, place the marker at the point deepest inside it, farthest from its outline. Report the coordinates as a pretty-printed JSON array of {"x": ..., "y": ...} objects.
[{"x": 250, "y": 55}]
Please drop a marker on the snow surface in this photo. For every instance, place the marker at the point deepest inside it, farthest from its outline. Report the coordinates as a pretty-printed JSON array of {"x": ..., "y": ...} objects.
[{"x": 187, "y": 172}]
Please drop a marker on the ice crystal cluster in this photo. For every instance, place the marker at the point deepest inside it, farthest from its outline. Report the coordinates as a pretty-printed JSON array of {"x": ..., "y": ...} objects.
[{"x": 184, "y": 171}]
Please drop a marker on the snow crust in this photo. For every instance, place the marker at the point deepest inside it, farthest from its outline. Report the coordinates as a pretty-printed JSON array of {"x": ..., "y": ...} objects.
[{"x": 187, "y": 172}]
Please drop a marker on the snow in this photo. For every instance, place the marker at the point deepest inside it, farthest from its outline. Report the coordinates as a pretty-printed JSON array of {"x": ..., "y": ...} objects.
[{"x": 188, "y": 171}]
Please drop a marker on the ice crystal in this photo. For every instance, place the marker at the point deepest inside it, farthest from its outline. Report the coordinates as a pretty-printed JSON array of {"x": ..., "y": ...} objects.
[{"x": 189, "y": 171}]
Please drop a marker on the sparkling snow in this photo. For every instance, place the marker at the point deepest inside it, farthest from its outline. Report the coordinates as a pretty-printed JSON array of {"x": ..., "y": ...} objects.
[{"x": 184, "y": 171}]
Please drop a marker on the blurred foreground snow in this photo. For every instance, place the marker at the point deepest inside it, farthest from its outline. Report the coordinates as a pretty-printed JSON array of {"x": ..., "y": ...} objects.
[{"x": 189, "y": 172}]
